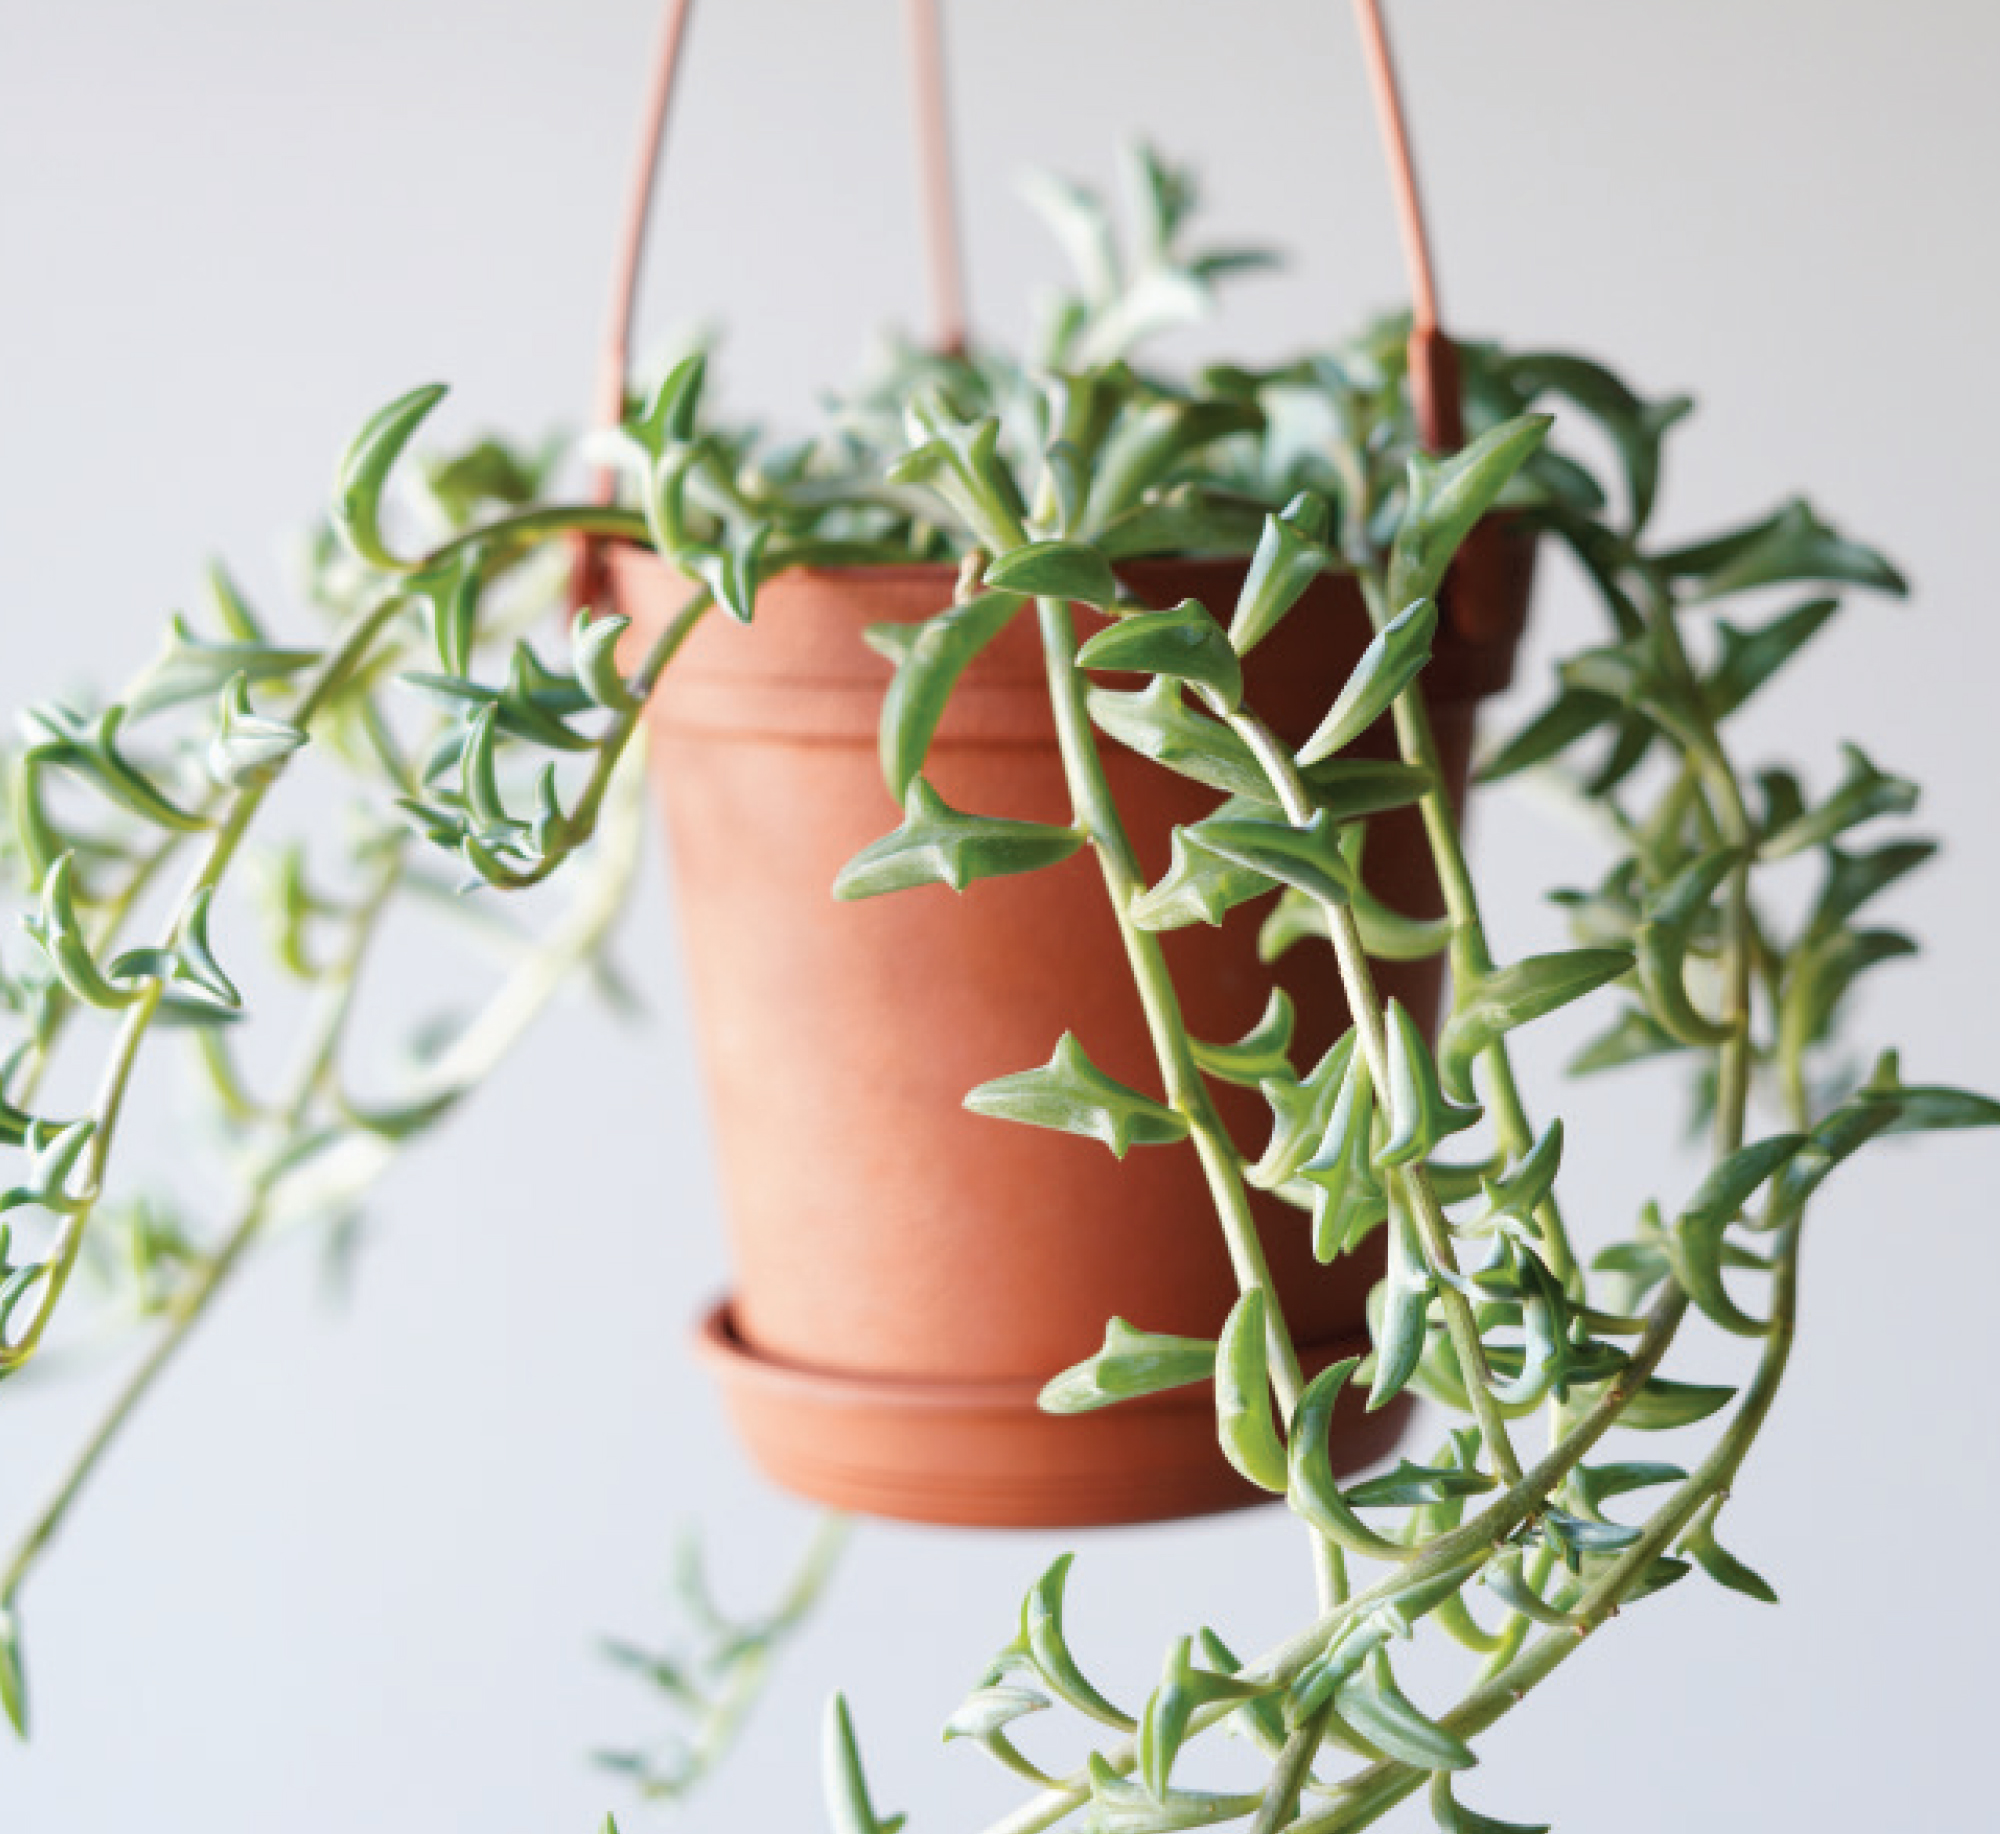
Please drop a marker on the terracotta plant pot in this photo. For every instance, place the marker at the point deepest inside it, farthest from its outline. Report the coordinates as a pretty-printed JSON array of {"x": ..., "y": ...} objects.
[{"x": 908, "y": 1274}]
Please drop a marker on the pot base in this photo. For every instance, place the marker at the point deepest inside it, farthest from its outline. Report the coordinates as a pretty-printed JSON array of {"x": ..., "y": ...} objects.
[{"x": 984, "y": 1455}]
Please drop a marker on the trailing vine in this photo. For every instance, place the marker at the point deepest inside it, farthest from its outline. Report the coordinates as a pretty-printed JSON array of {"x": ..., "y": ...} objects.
[{"x": 470, "y": 728}]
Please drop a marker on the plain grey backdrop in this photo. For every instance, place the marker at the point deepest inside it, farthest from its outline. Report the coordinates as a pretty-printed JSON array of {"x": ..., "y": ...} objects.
[{"x": 349, "y": 1571}]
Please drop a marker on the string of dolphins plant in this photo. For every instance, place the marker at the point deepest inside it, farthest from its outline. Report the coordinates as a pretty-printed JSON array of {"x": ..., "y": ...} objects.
[
  {"x": 1485, "y": 1309},
  {"x": 456, "y": 736},
  {"x": 144, "y": 813}
]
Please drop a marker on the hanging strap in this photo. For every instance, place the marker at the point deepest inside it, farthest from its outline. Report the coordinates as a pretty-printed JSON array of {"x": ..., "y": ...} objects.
[
  {"x": 1433, "y": 362},
  {"x": 1435, "y": 395}
]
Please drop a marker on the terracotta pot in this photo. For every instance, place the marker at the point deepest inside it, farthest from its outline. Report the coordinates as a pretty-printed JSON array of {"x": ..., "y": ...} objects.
[{"x": 908, "y": 1274}]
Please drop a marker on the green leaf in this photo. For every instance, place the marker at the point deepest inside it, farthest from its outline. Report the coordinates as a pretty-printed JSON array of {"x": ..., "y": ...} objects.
[
  {"x": 1789, "y": 547},
  {"x": 1662, "y": 942},
  {"x": 1072, "y": 1095},
  {"x": 673, "y": 415},
  {"x": 487, "y": 472},
  {"x": 53, "y": 1153},
  {"x": 1632, "y": 1038},
  {"x": 1489, "y": 1005},
  {"x": 1307, "y": 859},
  {"x": 1634, "y": 426},
  {"x": 1119, "y": 1806},
  {"x": 732, "y": 573},
  {"x": 1200, "y": 886},
  {"x": 1183, "y": 1691},
  {"x": 246, "y": 748},
  {"x": 1301, "y": 1109},
  {"x": 593, "y": 649},
  {"x": 1183, "y": 519},
  {"x": 1631, "y": 673},
  {"x": 1821, "y": 973},
  {"x": 933, "y": 655},
  {"x": 1261, "y": 1719},
  {"x": 1508, "y": 1582},
  {"x": 1521, "y": 1191},
  {"x": 191, "y": 667},
  {"x": 364, "y": 472},
  {"x": 1377, "y": 1708},
  {"x": 1574, "y": 1538},
  {"x": 1453, "y": 1817},
  {"x": 57, "y": 932},
  {"x": 1695, "y": 1243},
  {"x": 1412, "y": 1486},
  {"x": 1294, "y": 919},
  {"x": 1406, "y": 1293},
  {"x": 961, "y": 462},
  {"x": 984, "y": 1716},
  {"x": 1261, "y": 1052},
  {"x": 1447, "y": 496},
  {"x": 1072, "y": 570},
  {"x": 1722, "y": 1194},
  {"x": 1075, "y": 216},
  {"x": 1310, "y": 1489},
  {"x": 1185, "y": 643},
  {"x": 1347, "y": 1198},
  {"x": 1131, "y": 1363},
  {"x": 1244, "y": 1422},
  {"x": 1926, "y": 1108},
  {"x": 1574, "y": 714},
  {"x": 1388, "y": 665},
  {"x": 1346, "y": 788},
  {"x": 1854, "y": 879},
  {"x": 1156, "y": 723},
  {"x": 1662, "y": 1404},
  {"x": 196, "y": 956},
  {"x": 1725, "y": 1569},
  {"x": 939, "y": 845},
  {"x": 1150, "y": 443},
  {"x": 1388, "y": 935},
  {"x": 232, "y": 610},
  {"x": 1419, "y": 1114},
  {"x": 1065, "y": 480},
  {"x": 1863, "y": 794},
  {"x": 1600, "y": 1483},
  {"x": 90, "y": 749},
  {"x": 1750, "y": 658},
  {"x": 845, "y": 1785},
  {"x": 1043, "y": 1639},
  {"x": 1291, "y": 553}
]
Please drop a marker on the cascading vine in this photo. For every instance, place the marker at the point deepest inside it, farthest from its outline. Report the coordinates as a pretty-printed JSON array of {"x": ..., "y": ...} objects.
[{"x": 463, "y": 725}]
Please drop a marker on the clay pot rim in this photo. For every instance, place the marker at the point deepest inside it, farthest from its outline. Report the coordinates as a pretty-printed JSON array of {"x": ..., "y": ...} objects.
[
  {"x": 719, "y": 1346},
  {"x": 945, "y": 574}
]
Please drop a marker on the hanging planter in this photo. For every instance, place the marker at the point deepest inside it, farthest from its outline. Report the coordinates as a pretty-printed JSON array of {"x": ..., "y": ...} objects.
[
  {"x": 1181, "y": 705},
  {"x": 909, "y": 1275}
]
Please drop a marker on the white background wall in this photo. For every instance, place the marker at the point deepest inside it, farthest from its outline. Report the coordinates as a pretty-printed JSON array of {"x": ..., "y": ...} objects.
[{"x": 348, "y": 1573}]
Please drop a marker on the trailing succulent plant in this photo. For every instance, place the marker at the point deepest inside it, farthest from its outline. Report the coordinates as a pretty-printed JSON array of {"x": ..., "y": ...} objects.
[{"x": 476, "y": 739}]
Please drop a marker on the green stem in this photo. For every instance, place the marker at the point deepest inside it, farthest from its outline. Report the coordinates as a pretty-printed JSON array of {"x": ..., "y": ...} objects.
[
  {"x": 1417, "y": 744},
  {"x": 1366, "y": 1797},
  {"x": 1288, "y": 1777},
  {"x": 189, "y": 1306},
  {"x": 540, "y": 524},
  {"x": 1096, "y": 812},
  {"x": 1487, "y": 1532},
  {"x": 1364, "y": 1001},
  {"x": 520, "y": 998},
  {"x": 236, "y": 816},
  {"x": 1097, "y": 816},
  {"x": 581, "y": 822}
]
